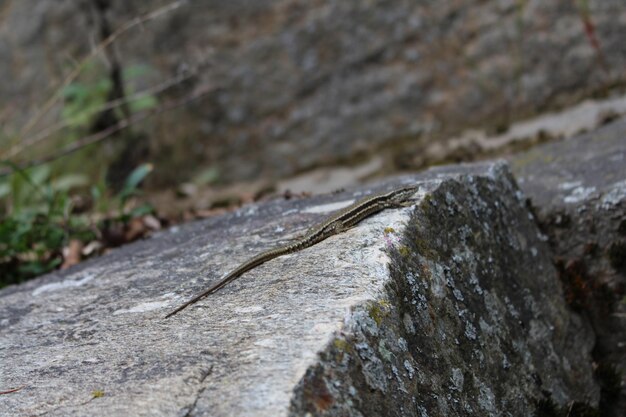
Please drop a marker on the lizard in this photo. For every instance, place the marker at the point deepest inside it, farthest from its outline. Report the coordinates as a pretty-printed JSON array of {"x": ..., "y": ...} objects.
[{"x": 337, "y": 223}]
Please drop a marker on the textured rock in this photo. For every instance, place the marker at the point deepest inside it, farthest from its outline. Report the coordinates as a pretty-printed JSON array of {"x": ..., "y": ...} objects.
[
  {"x": 297, "y": 83},
  {"x": 472, "y": 322},
  {"x": 578, "y": 188},
  {"x": 449, "y": 307}
]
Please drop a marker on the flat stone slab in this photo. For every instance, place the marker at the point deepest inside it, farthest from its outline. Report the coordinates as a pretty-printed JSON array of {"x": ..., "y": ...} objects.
[
  {"x": 590, "y": 167},
  {"x": 448, "y": 307}
]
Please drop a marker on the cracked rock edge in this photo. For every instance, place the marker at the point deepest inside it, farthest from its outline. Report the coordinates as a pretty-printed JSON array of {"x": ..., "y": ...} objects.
[{"x": 473, "y": 320}]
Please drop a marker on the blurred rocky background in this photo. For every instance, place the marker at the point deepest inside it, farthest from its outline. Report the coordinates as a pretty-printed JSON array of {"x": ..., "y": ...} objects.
[
  {"x": 267, "y": 89},
  {"x": 120, "y": 117}
]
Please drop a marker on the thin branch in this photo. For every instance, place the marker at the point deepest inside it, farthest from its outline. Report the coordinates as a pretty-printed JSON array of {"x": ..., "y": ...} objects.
[
  {"x": 12, "y": 390},
  {"x": 47, "y": 132},
  {"x": 106, "y": 133},
  {"x": 101, "y": 46},
  {"x": 14, "y": 168},
  {"x": 590, "y": 31}
]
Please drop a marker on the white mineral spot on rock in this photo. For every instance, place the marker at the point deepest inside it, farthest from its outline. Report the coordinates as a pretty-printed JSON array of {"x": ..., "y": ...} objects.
[
  {"x": 327, "y": 208},
  {"x": 326, "y": 328},
  {"x": 249, "y": 309},
  {"x": 485, "y": 327},
  {"x": 143, "y": 307},
  {"x": 486, "y": 398},
  {"x": 615, "y": 196},
  {"x": 68, "y": 283},
  {"x": 569, "y": 185},
  {"x": 505, "y": 363},
  {"x": 438, "y": 280},
  {"x": 169, "y": 295},
  {"x": 402, "y": 344},
  {"x": 579, "y": 194},
  {"x": 269, "y": 342},
  {"x": 408, "y": 323},
  {"x": 457, "y": 379},
  {"x": 409, "y": 368},
  {"x": 249, "y": 211},
  {"x": 470, "y": 331}
]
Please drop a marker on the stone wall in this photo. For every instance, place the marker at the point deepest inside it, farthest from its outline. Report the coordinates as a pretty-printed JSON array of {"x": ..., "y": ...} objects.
[{"x": 294, "y": 84}]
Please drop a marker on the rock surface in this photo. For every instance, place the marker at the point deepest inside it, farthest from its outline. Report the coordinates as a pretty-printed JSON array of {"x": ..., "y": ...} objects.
[
  {"x": 448, "y": 307},
  {"x": 578, "y": 189},
  {"x": 294, "y": 84}
]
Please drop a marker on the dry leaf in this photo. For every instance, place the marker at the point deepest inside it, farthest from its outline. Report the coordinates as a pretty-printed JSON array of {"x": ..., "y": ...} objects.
[{"x": 72, "y": 253}]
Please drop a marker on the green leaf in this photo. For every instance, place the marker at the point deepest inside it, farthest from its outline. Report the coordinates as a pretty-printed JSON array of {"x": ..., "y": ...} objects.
[
  {"x": 96, "y": 193},
  {"x": 5, "y": 189},
  {"x": 39, "y": 175},
  {"x": 135, "y": 71},
  {"x": 59, "y": 205},
  {"x": 102, "y": 87},
  {"x": 133, "y": 181},
  {"x": 144, "y": 102},
  {"x": 73, "y": 91},
  {"x": 67, "y": 182},
  {"x": 53, "y": 237},
  {"x": 142, "y": 210},
  {"x": 207, "y": 176}
]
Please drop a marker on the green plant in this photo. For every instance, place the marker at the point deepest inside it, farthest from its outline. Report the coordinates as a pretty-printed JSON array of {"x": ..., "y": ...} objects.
[
  {"x": 83, "y": 99},
  {"x": 37, "y": 219},
  {"x": 37, "y": 216},
  {"x": 138, "y": 101},
  {"x": 35, "y": 222},
  {"x": 117, "y": 205}
]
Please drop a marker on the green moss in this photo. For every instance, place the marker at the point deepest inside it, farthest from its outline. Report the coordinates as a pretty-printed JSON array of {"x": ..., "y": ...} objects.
[
  {"x": 389, "y": 230},
  {"x": 378, "y": 311},
  {"x": 341, "y": 344},
  {"x": 424, "y": 248}
]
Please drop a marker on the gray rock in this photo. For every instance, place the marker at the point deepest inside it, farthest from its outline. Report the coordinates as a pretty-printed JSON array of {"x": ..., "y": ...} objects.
[
  {"x": 449, "y": 307},
  {"x": 298, "y": 84},
  {"x": 578, "y": 189}
]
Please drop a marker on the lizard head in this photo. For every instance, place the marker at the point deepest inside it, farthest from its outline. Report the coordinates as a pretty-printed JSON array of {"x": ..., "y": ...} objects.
[{"x": 403, "y": 194}]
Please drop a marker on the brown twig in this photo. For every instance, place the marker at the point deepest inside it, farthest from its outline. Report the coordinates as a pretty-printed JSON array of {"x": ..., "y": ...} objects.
[
  {"x": 590, "y": 32},
  {"x": 12, "y": 390},
  {"x": 16, "y": 149},
  {"x": 106, "y": 133},
  {"x": 100, "y": 47}
]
